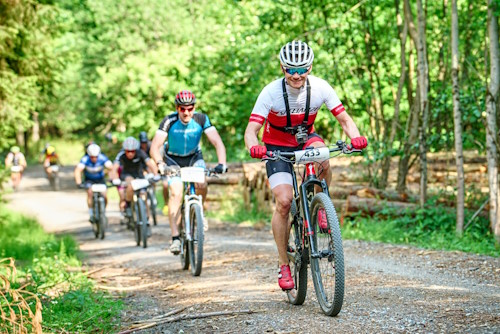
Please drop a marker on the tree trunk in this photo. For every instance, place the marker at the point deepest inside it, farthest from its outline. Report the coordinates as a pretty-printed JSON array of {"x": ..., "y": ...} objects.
[
  {"x": 419, "y": 38},
  {"x": 411, "y": 137},
  {"x": 457, "y": 116},
  {"x": 491, "y": 133},
  {"x": 35, "y": 136},
  {"x": 403, "y": 32}
]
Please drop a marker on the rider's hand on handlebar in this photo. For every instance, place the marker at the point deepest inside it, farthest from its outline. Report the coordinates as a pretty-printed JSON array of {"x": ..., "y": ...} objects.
[
  {"x": 162, "y": 166},
  {"x": 80, "y": 186},
  {"x": 258, "y": 151},
  {"x": 116, "y": 182},
  {"x": 359, "y": 142},
  {"x": 220, "y": 169}
]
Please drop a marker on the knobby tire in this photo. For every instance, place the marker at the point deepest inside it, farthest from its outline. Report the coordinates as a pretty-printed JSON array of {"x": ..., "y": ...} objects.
[
  {"x": 328, "y": 270},
  {"x": 298, "y": 264},
  {"x": 137, "y": 228},
  {"x": 101, "y": 218},
  {"x": 196, "y": 245},
  {"x": 143, "y": 222},
  {"x": 152, "y": 205},
  {"x": 184, "y": 244},
  {"x": 95, "y": 218}
]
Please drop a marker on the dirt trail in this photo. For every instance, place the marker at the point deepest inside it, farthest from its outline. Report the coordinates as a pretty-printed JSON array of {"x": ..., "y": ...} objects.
[{"x": 389, "y": 288}]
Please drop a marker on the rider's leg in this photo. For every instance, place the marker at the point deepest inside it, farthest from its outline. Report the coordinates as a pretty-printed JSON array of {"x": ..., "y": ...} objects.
[
  {"x": 89, "y": 198},
  {"x": 129, "y": 191},
  {"x": 202, "y": 189},
  {"x": 121, "y": 192},
  {"x": 165, "y": 197},
  {"x": 16, "y": 180},
  {"x": 283, "y": 195},
  {"x": 174, "y": 206}
]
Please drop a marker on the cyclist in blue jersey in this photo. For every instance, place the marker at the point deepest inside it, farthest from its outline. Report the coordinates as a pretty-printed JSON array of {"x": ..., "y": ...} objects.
[
  {"x": 92, "y": 165},
  {"x": 183, "y": 130}
]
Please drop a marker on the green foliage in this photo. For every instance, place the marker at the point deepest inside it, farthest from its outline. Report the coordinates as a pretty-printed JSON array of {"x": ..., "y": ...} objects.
[
  {"x": 432, "y": 227},
  {"x": 70, "y": 302},
  {"x": 83, "y": 311},
  {"x": 233, "y": 209}
]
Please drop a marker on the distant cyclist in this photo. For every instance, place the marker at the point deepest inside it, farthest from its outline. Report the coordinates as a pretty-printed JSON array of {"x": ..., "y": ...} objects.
[
  {"x": 145, "y": 142},
  {"x": 16, "y": 162},
  {"x": 132, "y": 161},
  {"x": 51, "y": 159},
  {"x": 93, "y": 165},
  {"x": 183, "y": 130}
]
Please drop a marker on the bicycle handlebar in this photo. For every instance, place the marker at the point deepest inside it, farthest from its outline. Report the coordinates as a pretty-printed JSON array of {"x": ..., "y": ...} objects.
[
  {"x": 176, "y": 171},
  {"x": 290, "y": 156}
]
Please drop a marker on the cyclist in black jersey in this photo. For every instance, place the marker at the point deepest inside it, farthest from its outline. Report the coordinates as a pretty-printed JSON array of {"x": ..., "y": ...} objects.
[{"x": 132, "y": 161}]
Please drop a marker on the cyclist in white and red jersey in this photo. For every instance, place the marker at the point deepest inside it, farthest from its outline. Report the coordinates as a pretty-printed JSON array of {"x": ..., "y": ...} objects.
[{"x": 287, "y": 108}]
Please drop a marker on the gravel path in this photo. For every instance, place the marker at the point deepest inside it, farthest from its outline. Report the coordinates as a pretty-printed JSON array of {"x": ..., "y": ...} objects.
[{"x": 392, "y": 289}]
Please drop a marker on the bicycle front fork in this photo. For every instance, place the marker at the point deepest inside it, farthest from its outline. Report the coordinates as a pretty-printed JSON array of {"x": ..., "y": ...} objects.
[{"x": 188, "y": 201}]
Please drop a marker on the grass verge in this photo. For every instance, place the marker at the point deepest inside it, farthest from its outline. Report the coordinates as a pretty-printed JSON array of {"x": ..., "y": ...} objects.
[
  {"x": 432, "y": 227},
  {"x": 48, "y": 267}
]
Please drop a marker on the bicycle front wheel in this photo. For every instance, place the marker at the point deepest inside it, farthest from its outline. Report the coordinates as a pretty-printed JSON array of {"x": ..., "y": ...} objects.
[
  {"x": 152, "y": 205},
  {"x": 137, "y": 227},
  {"x": 102, "y": 218},
  {"x": 196, "y": 245},
  {"x": 143, "y": 221},
  {"x": 327, "y": 264},
  {"x": 184, "y": 250}
]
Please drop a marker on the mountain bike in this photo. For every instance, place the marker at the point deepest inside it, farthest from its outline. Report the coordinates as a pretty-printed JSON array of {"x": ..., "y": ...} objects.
[
  {"x": 192, "y": 229},
  {"x": 54, "y": 177},
  {"x": 152, "y": 202},
  {"x": 98, "y": 219},
  {"x": 309, "y": 244},
  {"x": 137, "y": 214}
]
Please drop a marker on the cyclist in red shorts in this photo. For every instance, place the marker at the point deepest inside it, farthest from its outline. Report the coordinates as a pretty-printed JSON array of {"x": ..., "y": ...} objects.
[{"x": 287, "y": 108}]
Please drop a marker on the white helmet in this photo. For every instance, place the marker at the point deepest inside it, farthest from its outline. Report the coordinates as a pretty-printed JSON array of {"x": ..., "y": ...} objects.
[
  {"x": 296, "y": 54},
  {"x": 130, "y": 144},
  {"x": 93, "y": 150}
]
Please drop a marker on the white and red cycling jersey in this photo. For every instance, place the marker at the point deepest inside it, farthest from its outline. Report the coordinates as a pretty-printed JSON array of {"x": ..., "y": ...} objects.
[{"x": 270, "y": 107}]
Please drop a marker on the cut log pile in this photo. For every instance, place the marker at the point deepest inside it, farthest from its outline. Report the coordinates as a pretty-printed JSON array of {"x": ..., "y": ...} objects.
[{"x": 351, "y": 195}]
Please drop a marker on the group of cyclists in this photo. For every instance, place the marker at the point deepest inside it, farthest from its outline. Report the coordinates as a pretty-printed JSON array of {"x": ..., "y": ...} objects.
[
  {"x": 15, "y": 162},
  {"x": 286, "y": 108}
]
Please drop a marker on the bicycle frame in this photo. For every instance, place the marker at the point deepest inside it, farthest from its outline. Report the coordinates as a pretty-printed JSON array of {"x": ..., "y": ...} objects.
[{"x": 302, "y": 196}]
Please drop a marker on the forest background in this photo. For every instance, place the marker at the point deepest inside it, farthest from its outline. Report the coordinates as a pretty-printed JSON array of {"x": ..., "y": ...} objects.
[{"x": 83, "y": 69}]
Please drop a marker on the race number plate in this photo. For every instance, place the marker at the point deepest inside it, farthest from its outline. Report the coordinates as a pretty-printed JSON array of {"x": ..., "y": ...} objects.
[
  {"x": 54, "y": 168},
  {"x": 319, "y": 154},
  {"x": 98, "y": 188},
  {"x": 193, "y": 174},
  {"x": 138, "y": 184},
  {"x": 15, "y": 169}
]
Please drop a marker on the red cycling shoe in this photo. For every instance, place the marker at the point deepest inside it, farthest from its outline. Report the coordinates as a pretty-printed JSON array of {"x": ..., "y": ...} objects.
[
  {"x": 285, "y": 280},
  {"x": 322, "y": 220}
]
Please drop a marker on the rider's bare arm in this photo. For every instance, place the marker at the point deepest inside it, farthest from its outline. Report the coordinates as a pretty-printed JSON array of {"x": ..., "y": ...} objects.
[
  {"x": 113, "y": 174},
  {"x": 348, "y": 125},
  {"x": 251, "y": 133},
  {"x": 156, "y": 144},
  {"x": 215, "y": 139},
  {"x": 78, "y": 173},
  {"x": 152, "y": 166}
]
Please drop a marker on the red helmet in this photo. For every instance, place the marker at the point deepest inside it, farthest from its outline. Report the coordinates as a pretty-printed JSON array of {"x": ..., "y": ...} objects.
[{"x": 185, "y": 98}]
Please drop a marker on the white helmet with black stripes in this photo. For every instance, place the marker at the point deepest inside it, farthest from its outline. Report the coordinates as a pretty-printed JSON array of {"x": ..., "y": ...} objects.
[{"x": 296, "y": 54}]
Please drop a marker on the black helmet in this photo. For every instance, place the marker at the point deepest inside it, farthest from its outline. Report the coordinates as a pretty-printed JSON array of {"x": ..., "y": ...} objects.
[{"x": 143, "y": 137}]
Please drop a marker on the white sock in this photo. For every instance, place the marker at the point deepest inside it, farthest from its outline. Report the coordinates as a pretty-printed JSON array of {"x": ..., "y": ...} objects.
[{"x": 91, "y": 212}]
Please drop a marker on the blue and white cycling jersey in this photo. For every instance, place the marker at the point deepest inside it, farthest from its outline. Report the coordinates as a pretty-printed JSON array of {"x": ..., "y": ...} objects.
[
  {"x": 184, "y": 139},
  {"x": 95, "y": 171}
]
